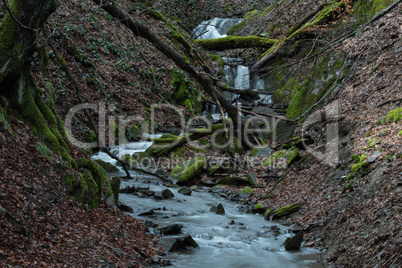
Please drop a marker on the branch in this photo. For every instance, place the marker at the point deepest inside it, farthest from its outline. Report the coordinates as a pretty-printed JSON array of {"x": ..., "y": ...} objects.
[
  {"x": 232, "y": 42},
  {"x": 389, "y": 101}
]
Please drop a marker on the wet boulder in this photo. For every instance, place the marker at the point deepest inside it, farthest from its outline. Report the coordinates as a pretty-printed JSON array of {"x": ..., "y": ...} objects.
[
  {"x": 294, "y": 243},
  {"x": 185, "y": 191},
  {"x": 167, "y": 194},
  {"x": 219, "y": 209},
  {"x": 171, "y": 229},
  {"x": 170, "y": 244},
  {"x": 125, "y": 208}
]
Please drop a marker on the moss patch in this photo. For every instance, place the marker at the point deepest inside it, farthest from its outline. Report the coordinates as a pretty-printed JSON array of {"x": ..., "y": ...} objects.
[
  {"x": 189, "y": 170},
  {"x": 286, "y": 210}
]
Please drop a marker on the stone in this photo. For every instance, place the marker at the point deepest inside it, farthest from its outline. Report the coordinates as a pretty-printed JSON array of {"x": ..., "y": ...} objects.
[
  {"x": 171, "y": 229},
  {"x": 170, "y": 244},
  {"x": 147, "y": 192},
  {"x": 147, "y": 213},
  {"x": 218, "y": 209},
  {"x": 294, "y": 243},
  {"x": 158, "y": 196},
  {"x": 125, "y": 208},
  {"x": 267, "y": 214},
  {"x": 374, "y": 157},
  {"x": 189, "y": 241},
  {"x": 297, "y": 228},
  {"x": 128, "y": 190},
  {"x": 167, "y": 194},
  {"x": 185, "y": 191}
]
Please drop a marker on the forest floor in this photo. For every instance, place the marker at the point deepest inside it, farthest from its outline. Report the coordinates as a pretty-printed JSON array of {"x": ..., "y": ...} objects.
[{"x": 41, "y": 226}]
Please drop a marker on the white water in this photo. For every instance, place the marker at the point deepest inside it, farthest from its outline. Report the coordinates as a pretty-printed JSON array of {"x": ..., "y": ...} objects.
[{"x": 214, "y": 28}]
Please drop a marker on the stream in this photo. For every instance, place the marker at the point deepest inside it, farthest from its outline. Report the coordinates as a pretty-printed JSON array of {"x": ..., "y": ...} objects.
[{"x": 235, "y": 239}]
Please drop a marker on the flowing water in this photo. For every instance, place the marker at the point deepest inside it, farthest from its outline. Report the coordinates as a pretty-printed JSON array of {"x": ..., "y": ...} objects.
[{"x": 235, "y": 239}]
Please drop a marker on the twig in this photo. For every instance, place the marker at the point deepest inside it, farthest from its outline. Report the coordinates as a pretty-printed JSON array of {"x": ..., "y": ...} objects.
[
  {"x": 389, "y": 101},
  {"x": 287, "y": 172}
]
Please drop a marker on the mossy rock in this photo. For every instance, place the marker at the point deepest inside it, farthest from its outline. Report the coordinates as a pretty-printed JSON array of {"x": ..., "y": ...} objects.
[
  {"x": 232, "y": 142},
  {"x": 110, "y": 168},
  {"x": 259, "y": 208},
  {"x": 134, "y": 133},
  {"x": 291, "y": 155},
  {"x": 286, "y": 210},
  {"x": 189, "y": 170},
  {"x": 82, "y": 188},
  {"x": 246, "y": 192},
  {"x": 267, "y": 214},
  {"x": 100, "y": 177}
]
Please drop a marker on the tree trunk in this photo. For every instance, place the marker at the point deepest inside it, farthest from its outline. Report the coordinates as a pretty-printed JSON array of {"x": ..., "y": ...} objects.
[
  {"x": 19, "y": 32},
  {"x": 231, "y": 42}
]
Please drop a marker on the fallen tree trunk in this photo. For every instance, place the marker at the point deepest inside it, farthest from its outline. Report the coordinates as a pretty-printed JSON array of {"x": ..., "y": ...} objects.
[
  {"x": 202, "y": 78},
  {"x": 231, "y": 42}
]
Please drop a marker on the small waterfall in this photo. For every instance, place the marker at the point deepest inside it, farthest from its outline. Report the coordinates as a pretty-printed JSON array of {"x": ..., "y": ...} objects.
[
  {"x": 237, "y": 75},
  {"x": 242, "y": 80},
  {"x": 214, "y": 28}
]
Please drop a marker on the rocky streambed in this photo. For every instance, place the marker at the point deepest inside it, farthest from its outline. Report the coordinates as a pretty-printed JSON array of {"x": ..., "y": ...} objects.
[{"x": 203, "y": 226}]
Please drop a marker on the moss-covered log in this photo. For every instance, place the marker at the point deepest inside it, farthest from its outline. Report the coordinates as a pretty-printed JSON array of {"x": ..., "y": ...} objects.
[{"x": 231, "y": 42}]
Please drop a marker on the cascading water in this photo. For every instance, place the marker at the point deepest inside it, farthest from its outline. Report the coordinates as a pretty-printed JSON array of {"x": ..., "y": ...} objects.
[
  {"x": 214, "y": 28},
  {"x": 237, "y": 75}
]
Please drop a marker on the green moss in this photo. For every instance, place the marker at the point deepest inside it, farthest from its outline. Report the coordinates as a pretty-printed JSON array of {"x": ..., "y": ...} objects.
[
  {"x": 189, "y": 170},
  {"x": 184, "y": 93},
  {"x": 360, "y": 163},
  {"x": 214, "y": 169},
  {"x": 100, "y": 177},
  {"x": 108, "y": 167},
  {"x": 394, "y": 115},
  {"x": 246, "y": 191},
  {"x": 197, "y": 149},
  {"x": 286, "y": 210},
  {"x": 321, "y": 81},
  {"x": 82, "y": 187},
  {"x": 230, "y": 42},
  {"x": 116, "y": 189},
  {"x": 368, "y": 8},
  {"x": 8, "y": 31},
  {"x": 291, "y": 155},
  {"x": 267, "y": 214},
  {"x": 258, "y": 206},
  {"x": 400, "y": 133}
]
